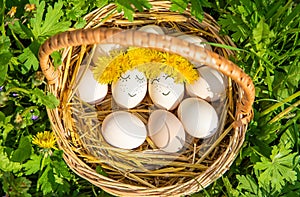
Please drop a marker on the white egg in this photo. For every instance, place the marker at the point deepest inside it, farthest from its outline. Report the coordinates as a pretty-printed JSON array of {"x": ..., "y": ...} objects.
[
  {"x": 89, "y": 90},
  {"x": 166, "y": 131},
  {"x": 123, "y": 130},
  {"x": 198, "y": 117},
  {"x": 130, "y": 89},
  {"x": 196, "y": 40},
  {"x": 103, "y": 50},
  {"x": 165, "y": 93},
  {"x": 210, "y": 86},
  {"x": 152, "y": 29}
]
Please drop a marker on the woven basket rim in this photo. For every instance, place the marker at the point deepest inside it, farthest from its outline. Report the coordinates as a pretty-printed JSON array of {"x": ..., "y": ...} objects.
[{"x": 77, "y": 164}]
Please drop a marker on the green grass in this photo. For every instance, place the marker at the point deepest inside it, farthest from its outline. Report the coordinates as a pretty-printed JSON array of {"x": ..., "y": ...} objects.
[{"x": 266, "y": 33}]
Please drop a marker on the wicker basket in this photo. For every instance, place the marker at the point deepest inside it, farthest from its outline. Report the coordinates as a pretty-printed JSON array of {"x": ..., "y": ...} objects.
[{"x": 182, "y": 176}]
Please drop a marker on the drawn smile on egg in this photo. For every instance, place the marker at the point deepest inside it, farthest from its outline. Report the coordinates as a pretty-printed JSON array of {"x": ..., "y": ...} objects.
[
  {"x": 130, "y": 89},
  {"x": 166, "y": 94},
  {"x": 157, "y": 80},
  {"x": 132, "y": 95}
]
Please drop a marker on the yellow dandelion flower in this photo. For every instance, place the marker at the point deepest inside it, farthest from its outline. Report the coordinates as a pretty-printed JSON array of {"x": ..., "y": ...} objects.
[
  {"x": 182, "y": 70},
  {"x": 110, "y": 68},
  {"x": 149, "y": 61},
  {"x": 135, "y": 54},
  {"x": 45, "y": 140},
  {"x": 151, "y": 69},
  {"x": 29, "y": 7},
  {"x": 156, "y": 56},
  {"x": 12, "y": 11}
]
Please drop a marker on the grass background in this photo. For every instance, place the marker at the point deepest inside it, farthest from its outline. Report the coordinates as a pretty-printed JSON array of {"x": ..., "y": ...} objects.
[{"x": 267, "y": 35}]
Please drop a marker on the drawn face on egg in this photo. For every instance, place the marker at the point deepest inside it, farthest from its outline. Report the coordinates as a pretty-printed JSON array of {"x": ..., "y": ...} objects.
[
  {"x": 130, "y": 89},
  {"x": 165, "y": 93}
]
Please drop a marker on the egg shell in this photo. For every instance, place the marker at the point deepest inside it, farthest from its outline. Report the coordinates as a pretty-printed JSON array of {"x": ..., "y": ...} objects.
[
  {"x": 89, "y": 90},
  {"x": 210, "y": 86},
  {"x": 166, "y": 131},
  {"x": 130, "y": 89},
  {"x": 165, "y": 93},
  {"x": 198, "y": 117},
  {"x": 152, "y": 29},
  {"x": 123, "y": 130},
  {"x": 195, "y": 40},
  {"x": 103, "y": 50}
]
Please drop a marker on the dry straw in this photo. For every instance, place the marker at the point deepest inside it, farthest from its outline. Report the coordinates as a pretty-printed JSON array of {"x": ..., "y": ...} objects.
[{"x": 144, "y": 171}]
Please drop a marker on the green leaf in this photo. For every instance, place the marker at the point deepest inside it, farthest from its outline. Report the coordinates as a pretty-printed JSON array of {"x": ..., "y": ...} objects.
[
  {"x": 61, "y": 169},
  {"x": 286, "y": 80},
  {"x": 268, "y": 133},
  {"x": 2, "y": 117},
  {"x": 55, "y": 175},
  {"x": 7, "y": 128},
  {"x": 279, "y": 169},
  {"x": 16, "y": 186},
  {"x": 101, "y": 3},
  {"x": 179, "y": 5},
  {"x": 7, "y": 165},
  {"x": 5, "y": 56},
  {"x": 129, "y": 7},
  {"x": 293, "y": 74},
  {"x": 140, "y": 5},
  {"x": 51, "y": 24},
  {"x": 289, "y": 18},
  {"x": 289, "y": 138},
  {"x": 56, "y": 56},
  {"x": 248, "y": 184},
  {"x": 5, "y": 125},
  {"x": 99, "y": 170},
  {"x": 46, "y": 180},
  {"x": 63, "y": 188},
  {"x": 23, "y": 151},
  {"x": 4, "y": 44},
  {"x": 262, "y": 34},
  {"x": 230, "y": 190},
  {"x": 196, "y": 8},
  {"x": 33, "y": 165},
  {"x": 39, "y": 97},
  {"x": 237, "y": 26},
  {"x": 18, "y": 28},
  {"x": 76, "y": 9},
  {"x": 292, "y": 190},
  {"x": 22, "y": 185},
  {"x": 29, "y": 59}
]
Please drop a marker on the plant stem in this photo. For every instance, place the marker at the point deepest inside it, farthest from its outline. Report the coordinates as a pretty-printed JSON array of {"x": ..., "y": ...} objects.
[
  {"x": 16, "y": 38},
  {"x": 284, "y": 112},
  {"x": 2, "y": 17},
  {"x": 41, "y": 169},
  {"x": 28, "y": 110},
  {"x": 286, "y": 100},
  {"x": 16, "y": 89}
]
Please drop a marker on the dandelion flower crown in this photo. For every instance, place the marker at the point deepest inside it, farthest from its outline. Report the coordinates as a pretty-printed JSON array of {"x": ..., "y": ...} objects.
[
  {"x": 45, "y": 140},
  {"x": 149, "y": 61}
]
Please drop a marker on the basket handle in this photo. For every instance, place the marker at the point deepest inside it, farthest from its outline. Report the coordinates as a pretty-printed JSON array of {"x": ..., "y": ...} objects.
[{"x": 148, "y": 40}]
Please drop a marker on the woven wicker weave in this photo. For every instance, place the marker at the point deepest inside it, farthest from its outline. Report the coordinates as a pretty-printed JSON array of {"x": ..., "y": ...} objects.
[{"x": 104, "y": 25}]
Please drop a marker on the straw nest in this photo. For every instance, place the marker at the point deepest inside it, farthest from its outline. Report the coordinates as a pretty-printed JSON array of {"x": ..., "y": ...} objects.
[{"x": 144, "y": 171}]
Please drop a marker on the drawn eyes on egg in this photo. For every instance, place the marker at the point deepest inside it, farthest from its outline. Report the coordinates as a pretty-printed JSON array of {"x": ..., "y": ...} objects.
[
  {"x": 165, "y": 93},
  {"x": 166, "y": 76},
  {"x": 139, "y": 79},
  {"x": 125, "y": 78},
  {"x": 156, "y": 80}
]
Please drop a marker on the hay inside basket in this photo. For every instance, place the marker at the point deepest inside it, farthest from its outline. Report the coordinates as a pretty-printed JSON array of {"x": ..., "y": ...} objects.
[{"x": 131, "y": 173}]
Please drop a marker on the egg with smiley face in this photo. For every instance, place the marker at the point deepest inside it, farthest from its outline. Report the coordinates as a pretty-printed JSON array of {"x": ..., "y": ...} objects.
[
  {"x": 130, "y": 89},
  {"x": 165, "y": 93}
]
